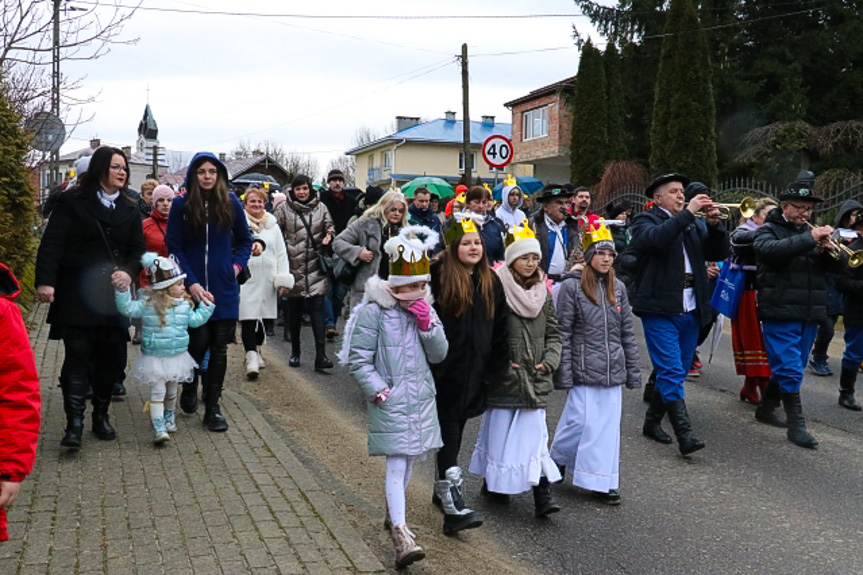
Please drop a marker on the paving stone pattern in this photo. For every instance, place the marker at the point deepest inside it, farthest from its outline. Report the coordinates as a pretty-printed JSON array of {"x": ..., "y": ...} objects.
[{"x": 205, "y": 503}]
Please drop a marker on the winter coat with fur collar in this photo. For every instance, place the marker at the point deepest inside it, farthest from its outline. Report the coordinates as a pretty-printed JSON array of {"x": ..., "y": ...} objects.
[{"x": 386, "y": 349}]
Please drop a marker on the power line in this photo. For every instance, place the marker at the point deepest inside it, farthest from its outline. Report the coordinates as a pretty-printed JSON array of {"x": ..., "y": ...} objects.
[
  {"x": 340, "y": 104},
  {"x": 339, "y": 16}
]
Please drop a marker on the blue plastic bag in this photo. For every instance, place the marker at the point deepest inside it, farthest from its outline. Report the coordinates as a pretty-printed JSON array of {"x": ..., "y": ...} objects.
[{"x": 729, "y": 289}]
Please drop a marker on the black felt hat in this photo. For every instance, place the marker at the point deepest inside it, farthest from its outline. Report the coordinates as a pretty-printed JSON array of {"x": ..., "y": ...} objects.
[
  {"x": 799, "y": 190},
  {"x": 663, "y": 177},
  {"x": 550, "y": 191}
]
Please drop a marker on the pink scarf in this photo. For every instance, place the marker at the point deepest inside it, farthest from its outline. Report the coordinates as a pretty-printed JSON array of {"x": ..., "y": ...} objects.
[
  {"x": 406, "y": 299},
  {"x": 526, "y": 303}
]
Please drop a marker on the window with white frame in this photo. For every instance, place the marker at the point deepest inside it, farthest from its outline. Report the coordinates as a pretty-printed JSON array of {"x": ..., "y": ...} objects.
[
  {"x": 535, "y": 123},
  {"x": 388, "y": 160},
  {"x": 371, "y": 160},
  {"x": 461, "y": 161}
]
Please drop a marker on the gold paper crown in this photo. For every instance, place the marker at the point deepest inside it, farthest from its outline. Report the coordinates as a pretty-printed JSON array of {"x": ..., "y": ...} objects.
[
  {"x": 597, "y": 233},
  {"x": 460, "y": 223},
  {"x": 414, "y": 267},
  {"x": 509, "y": 181},
  {"x": 516, "y": 233},
  {"x": 461, "y": 198}
]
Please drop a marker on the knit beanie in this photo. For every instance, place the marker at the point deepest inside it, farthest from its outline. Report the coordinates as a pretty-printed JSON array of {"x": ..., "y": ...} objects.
[
  {"x": 162, "y": 191},
  {"x": 278, "y": 198},
  {"x": 521, "y": 248},
  {"x": 600, "y": 245}
]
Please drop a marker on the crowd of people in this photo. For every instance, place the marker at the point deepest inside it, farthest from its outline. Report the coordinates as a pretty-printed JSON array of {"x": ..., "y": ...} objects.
[{"x": 451, "y": 312}]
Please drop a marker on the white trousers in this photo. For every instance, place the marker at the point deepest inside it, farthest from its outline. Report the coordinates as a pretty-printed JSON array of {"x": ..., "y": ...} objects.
[
  {"x": 399, "y": 468},
  {"x": 587, "y": 439}
]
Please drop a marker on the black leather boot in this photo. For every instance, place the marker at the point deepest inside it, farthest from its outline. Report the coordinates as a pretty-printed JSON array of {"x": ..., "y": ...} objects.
[
  {"x": 102, "y": 428},
  {"x": 847, "y": 382},
  {"x": 213, "y": 419},
  {"x": 322, "y": 362},
  {"x": 543, "y": 503},
  {"x": 653, "y": 420},
  {"x": 189, "y": 394},
  {"x": 649, "y": 387},
  {"x": 770, "y": 400},
  {"x": 74, "y": 404},
  {"x": 679, "y": 419},
  {"x": 119, "y": 389},
  {"x": 797, "y": 433}
]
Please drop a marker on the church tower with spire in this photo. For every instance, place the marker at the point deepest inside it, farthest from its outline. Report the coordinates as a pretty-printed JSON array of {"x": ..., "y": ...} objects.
[{"x": 148, "y": 133}]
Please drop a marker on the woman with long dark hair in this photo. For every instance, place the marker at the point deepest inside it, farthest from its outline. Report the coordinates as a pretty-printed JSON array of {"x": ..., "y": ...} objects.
[
  {"x": 92, "y": 240},
  {"x": 208, "y": 234},
  {"x": 470, "y": 302}
]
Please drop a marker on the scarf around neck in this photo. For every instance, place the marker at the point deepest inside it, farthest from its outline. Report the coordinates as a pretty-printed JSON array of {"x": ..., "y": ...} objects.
[
  {"x": 406, "y": 299},
  {"x": 256, "y": 223},
  {"x": 526, "y": 303}
]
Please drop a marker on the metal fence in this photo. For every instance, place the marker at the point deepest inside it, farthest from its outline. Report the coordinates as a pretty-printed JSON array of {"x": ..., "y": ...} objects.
[{"x": 734, "y": 190}]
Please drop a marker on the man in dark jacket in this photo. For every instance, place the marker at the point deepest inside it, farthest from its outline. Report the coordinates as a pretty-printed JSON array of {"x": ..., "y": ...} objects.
[
  {"x": 792, "y": 256},
  {"x": 671, "y": 294},
  {"x": 342, "y": 208},
  {"x": 849, "y": 282},
  {"x": 556, "y": 230},
  {"x": 420, "y": 214}
]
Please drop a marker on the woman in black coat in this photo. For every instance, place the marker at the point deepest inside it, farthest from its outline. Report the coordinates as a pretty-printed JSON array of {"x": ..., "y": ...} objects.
[
  {"x": 470, "y": 302},
  {"x": 92, "y": 240}
]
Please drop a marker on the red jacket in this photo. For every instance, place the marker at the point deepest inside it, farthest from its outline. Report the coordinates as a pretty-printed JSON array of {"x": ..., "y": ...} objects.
[
  {"x": 155, "y": 228},
  {"x": 19, "y": 391}
]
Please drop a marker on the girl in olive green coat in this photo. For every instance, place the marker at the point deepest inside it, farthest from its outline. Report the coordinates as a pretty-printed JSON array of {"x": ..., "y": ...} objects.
[{"x": 512, "y": 449}]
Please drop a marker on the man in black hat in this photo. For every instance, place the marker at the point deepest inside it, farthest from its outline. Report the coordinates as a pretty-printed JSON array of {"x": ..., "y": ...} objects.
[
  {"x": 558, "y": 232},
  {"x": 792, "y": 257},
  {"x": 671, "y": 294},
  {"x": 342, "y": 207}
]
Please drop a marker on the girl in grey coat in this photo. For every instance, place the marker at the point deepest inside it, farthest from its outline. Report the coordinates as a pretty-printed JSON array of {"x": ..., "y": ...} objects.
[
  {"x": 599, "y": 356},
  {"x": 390, "y": 340}
]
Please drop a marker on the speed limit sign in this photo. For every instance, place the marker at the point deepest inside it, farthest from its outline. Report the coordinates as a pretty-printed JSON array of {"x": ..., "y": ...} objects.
[{"x": 497, "y": 151}]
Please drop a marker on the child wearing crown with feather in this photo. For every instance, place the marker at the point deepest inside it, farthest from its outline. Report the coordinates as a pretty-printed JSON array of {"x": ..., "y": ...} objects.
[
  {"x": 390, "y": 340},
  {"x": 599, "y": 357},
  {"x": 512, "y": 447},
  {"x": 166, "y": 311}
]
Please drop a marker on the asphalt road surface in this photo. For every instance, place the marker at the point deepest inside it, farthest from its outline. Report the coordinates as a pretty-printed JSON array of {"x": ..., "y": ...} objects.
[{"x": 751, "y": 502}]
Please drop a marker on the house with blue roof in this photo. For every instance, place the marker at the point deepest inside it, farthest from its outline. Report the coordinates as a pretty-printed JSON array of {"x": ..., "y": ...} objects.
[{"x": 425, "y": 149}]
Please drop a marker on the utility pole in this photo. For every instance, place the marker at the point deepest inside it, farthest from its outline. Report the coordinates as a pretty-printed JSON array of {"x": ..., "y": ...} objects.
[
  {"x": 55, "y": 93},
  {"x": 465, "y": 101}
]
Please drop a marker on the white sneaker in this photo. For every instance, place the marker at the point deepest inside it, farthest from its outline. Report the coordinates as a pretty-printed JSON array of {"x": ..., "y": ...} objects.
[
  {"x": 170, "y": 421},
  {"x": 261, "y": 363},
  {"x": 252, "y": 366}
]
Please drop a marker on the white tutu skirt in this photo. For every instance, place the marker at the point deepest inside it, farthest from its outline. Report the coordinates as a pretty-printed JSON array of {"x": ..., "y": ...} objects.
[
  {"x": 151, "y": 369},
  {"x": 511, "y": 450}
]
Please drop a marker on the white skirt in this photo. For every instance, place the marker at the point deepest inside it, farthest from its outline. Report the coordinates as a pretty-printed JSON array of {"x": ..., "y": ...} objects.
[
  {"x": 587, "y": 439},
  {"x": 151, "y": 369},
  {"x": 511, "y": 451}
]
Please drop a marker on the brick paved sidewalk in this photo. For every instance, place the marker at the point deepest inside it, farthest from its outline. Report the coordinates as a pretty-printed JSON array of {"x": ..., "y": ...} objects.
[{"x": 235, "y": 502}]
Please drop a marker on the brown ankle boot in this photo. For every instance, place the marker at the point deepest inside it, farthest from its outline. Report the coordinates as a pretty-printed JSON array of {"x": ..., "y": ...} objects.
[{"x": 407, "y": 551}]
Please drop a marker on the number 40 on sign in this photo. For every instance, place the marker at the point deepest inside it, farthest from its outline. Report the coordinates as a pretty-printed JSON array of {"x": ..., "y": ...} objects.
[{"x": 497, "y": 151}]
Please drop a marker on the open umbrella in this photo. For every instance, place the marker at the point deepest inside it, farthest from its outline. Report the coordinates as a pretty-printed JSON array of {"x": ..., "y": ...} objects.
[
  {"x": 527, "y": 184},
  {"x": 437, "y": 186}
]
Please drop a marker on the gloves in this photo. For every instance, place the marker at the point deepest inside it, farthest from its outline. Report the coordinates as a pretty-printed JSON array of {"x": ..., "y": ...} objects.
[
  {"x": 422, "y": 311},
  {"x": 382, "y": 395}
]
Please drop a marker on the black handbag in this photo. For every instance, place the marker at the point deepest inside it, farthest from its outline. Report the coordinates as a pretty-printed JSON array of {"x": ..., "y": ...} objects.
[
  {"x": 344, "y": 271},
  {"x": 325, "y": 254}
]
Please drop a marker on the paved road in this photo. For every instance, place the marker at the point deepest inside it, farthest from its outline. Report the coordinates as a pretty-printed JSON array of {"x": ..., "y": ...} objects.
[
  {"x": 750, "y": 503},
  {"x": 232, "y": 503}
]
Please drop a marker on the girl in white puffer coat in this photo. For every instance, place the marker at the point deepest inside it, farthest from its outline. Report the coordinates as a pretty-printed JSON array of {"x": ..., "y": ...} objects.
[{"x": 167, "y": 312}]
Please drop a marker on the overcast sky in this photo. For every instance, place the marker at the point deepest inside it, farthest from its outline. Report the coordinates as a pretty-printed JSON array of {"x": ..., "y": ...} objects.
[{"x": 309, "y": 84}]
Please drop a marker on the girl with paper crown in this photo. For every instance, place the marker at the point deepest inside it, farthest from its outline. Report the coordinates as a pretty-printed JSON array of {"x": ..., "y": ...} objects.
[
  {"x": 512, "y": 450},
  {"x": 599, "y": 356},
  {"x": 470, "y": 302},
  {"x": 390, "y": 340},
  {"x": 166, "y": 311}
]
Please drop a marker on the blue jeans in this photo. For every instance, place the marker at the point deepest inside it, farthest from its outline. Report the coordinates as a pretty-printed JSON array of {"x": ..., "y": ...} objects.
[
  {"x": 671, "y": 342},
  {"x": 788, "y": 344},
  {"x": 853, "y": 356},
  {"x": 333, "y": 301}
]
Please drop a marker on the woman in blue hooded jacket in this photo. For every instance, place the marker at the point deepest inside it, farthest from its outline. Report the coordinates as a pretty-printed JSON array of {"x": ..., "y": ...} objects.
[{"x": 209, "y": 236}]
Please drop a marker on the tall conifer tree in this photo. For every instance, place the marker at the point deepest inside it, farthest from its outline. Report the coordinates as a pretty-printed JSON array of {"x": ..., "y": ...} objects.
[
  {"x": 683, "y": 131},
  {"x": 588, "y": 150},
  {"x": 614, "y": 103}
]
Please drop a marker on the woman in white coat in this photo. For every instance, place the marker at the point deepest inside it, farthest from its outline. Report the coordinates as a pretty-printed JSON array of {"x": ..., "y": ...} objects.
[{"x": 271, "y": 277}]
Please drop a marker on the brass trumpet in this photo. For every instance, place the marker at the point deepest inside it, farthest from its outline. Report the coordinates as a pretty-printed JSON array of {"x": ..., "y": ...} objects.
[
  {"x": 746, "y": 207},
  {"x": 835, "y": 247}
]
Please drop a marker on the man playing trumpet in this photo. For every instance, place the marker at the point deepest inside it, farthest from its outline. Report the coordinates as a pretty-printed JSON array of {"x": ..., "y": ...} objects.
[
  {"x": 791, "y": 256},
  {"x": 671, "y": 294}
]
